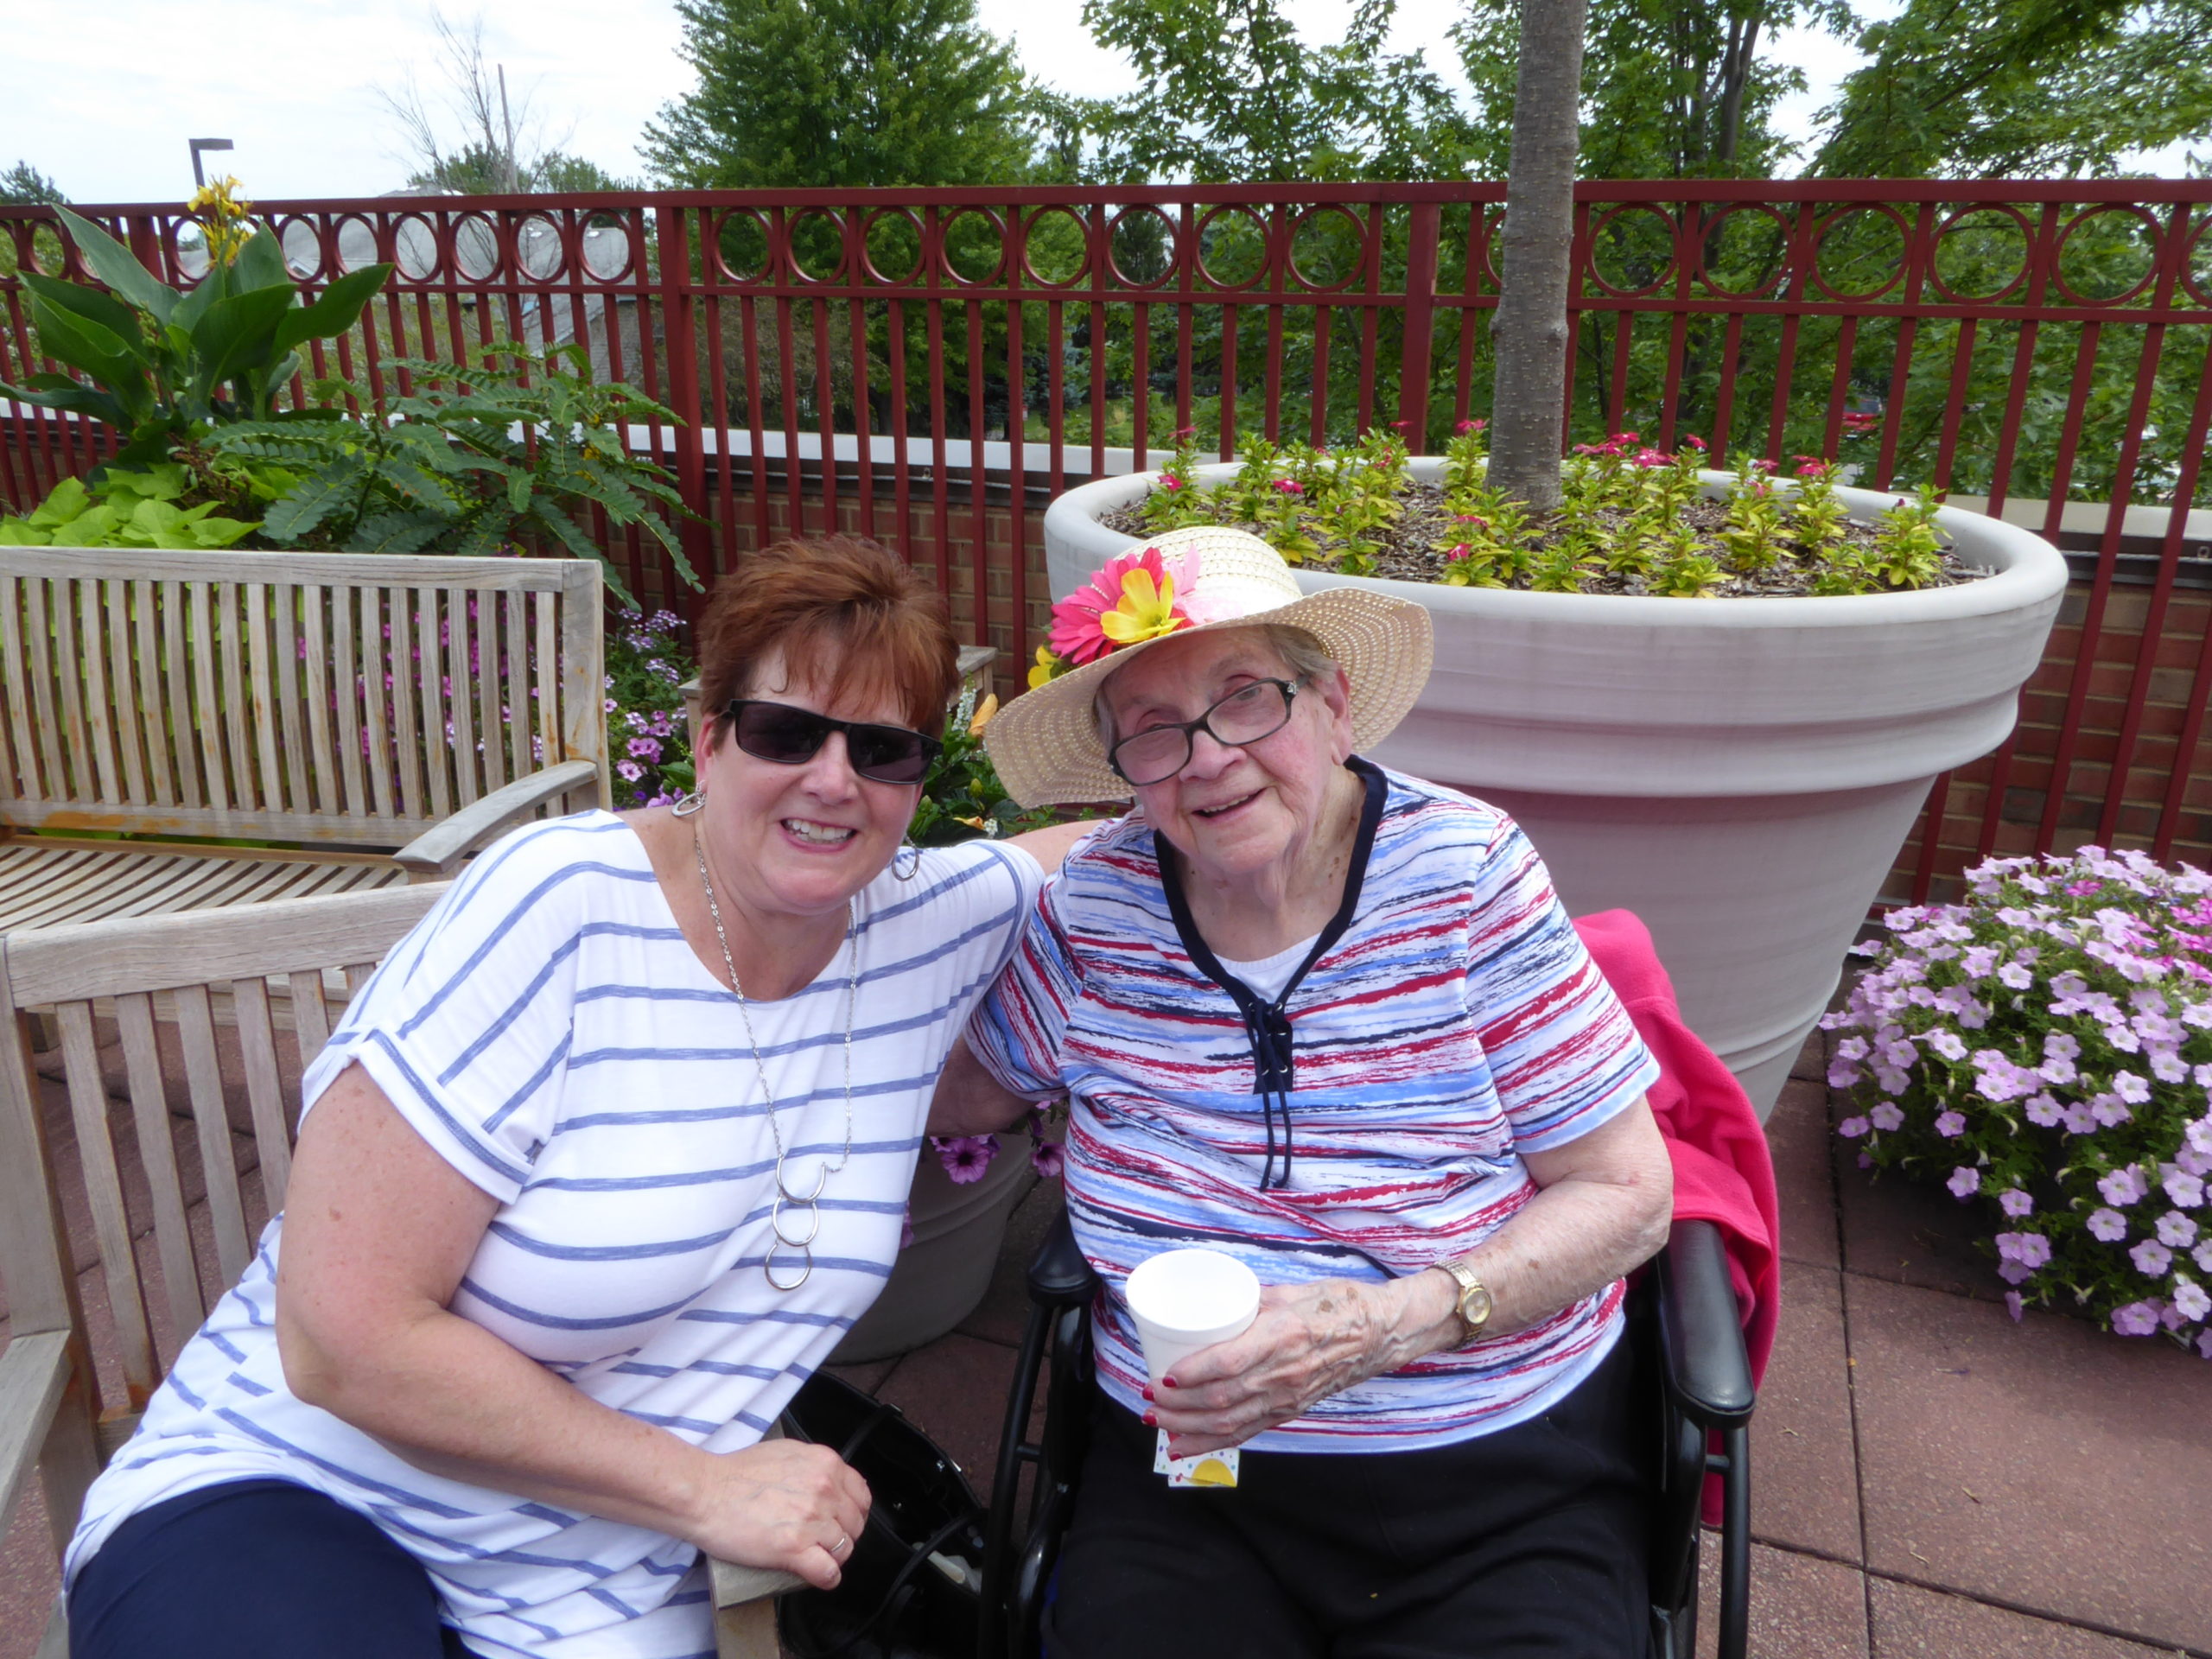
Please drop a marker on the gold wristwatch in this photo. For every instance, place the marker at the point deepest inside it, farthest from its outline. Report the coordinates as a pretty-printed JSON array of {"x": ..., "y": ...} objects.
[{"x": 1473, "y": 1305}]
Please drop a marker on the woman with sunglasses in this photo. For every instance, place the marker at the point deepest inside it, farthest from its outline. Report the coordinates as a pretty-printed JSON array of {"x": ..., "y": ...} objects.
[
  {"x": 1331, "y": 1020},
  {"x": 599, "y": 1164}
]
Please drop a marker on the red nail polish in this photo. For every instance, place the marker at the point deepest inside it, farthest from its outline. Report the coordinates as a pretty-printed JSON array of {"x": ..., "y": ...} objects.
[
  {"x": 1151, "y": 1419},
  {"x": 1148, "y": 1390},
  {"x": 1169, "y": 1383}
]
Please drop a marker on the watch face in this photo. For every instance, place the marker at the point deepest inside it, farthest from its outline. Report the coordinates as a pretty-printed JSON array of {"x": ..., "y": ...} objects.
[{"x": 1474, "y": 1306}]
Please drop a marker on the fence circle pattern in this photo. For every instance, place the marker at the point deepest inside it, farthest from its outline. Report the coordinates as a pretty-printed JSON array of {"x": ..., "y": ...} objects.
[
  {"x": 302, "y": 240},
  {"x": 475, "y": 252},
  {"x": 2197, "y": 261},
  {"x": 1227, "y": 227},
  {"x": 1959, "y": 237},
  {"x": 1836, "y": 230},
  {"x": 741, "y": 234},
  {"x": 1129, "y": 222},
  {"x": 1041, "y": 231},
  {"x": 980, "y": 272},
  {"x": 1713, "y": 237},
  {"x": 903, "y": 221},
  {"x": 541, "y": 248},
  {"x": 2072, "y": 290},
  {"x": 1300, "y": 259},
  {"x": 1617, "y": 230}
]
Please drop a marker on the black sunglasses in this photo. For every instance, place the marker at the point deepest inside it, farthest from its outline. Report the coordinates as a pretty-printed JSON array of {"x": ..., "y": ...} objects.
[{"x": 791, "y": 737}]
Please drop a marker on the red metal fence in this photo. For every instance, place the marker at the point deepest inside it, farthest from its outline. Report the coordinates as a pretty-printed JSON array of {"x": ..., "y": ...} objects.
[{"x": 931, "y": 366}]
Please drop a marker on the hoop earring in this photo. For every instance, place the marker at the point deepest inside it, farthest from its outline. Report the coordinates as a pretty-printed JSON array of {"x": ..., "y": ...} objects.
[
  {"x": 906, "y": 845},
  {"x": 690, "y": 804}
]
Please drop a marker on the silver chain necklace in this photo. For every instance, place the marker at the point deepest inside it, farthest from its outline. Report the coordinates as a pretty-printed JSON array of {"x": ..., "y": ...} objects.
[{"x": 808, "y": 1201}]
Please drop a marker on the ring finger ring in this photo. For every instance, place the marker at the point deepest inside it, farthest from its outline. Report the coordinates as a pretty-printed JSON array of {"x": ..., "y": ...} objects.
[{"x": 844, "y": 1542}]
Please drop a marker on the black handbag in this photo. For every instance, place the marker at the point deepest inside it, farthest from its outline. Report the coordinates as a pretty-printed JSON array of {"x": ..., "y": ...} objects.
[{"x": 910, "y": 1589}]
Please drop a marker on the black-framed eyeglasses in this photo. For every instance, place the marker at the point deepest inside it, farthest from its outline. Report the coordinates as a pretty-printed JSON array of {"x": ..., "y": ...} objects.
[
  {"x": 791, "y": 737},
  {"x": 1249, "y": 712}
]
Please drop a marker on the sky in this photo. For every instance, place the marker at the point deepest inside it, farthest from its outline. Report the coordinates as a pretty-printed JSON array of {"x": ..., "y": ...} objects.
[{"x": 104, "y": 94}]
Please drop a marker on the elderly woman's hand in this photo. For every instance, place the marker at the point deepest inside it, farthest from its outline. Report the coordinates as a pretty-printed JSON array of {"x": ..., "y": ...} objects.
[{"x": 1309, "y": 1342}]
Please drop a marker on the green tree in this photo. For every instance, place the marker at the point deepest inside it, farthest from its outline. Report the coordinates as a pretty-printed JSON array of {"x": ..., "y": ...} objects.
[
  {"x": 1672, "y": 89},
  {"x": 839, "y": 93},
  {"x": 24, "y": 186},
  {"x": 2021, "y": 89},
  {"x": 1229, "y": 93}
]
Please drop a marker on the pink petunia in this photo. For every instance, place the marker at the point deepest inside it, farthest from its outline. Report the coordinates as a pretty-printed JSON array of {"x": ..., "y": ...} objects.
[
  {"x": 1049, "y": 1159},
  {"x": 965, "y": 1157}
]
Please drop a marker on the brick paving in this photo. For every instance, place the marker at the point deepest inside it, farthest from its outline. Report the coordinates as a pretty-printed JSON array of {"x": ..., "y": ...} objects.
[{"x": 1929, "y": 1478}]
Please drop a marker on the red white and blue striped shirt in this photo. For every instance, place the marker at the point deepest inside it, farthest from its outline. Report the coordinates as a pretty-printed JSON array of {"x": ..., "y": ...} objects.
[{"x": 1456, "y": 1023}]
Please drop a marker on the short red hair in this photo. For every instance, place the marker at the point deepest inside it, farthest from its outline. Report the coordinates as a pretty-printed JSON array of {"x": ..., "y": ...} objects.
[{"x": 851, "y": 618}]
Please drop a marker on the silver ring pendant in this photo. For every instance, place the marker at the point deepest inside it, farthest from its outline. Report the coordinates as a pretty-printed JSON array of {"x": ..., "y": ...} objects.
[
  {"x": 821, "y": 1178},
  {"x": 805, "y": 1272},
  {"x": 776, "y": 1224}
]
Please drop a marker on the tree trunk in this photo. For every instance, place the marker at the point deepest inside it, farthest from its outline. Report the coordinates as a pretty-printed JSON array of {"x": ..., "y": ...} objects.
[{"x": 1530, "y": 331}]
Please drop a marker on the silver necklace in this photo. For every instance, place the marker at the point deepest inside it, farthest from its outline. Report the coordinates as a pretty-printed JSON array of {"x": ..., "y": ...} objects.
[{"x": 808, "y": 1201}]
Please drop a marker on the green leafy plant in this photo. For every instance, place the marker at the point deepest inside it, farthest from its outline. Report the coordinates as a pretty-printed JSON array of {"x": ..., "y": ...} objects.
[
  {"x": 162, "y": 364},
  {"x": 1909, "y": 549},
  {"x": 125, "y": 508},
  {"x": 1755, "y": 534},
  {"x": 962, "y": 798},
  {"x": 508, "y": 447}
]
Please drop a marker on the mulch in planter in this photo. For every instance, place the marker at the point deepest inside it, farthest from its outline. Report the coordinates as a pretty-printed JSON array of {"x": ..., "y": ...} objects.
[{"x": 1408, "y": 553}]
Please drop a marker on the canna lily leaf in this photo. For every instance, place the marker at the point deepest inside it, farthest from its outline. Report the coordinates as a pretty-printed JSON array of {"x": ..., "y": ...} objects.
[
  {"x": 260, "y": 263},
  {"x": 335, "y": 311},
  {"x": 115, "y": 264},
  {"x": 90, "y": 304},
  {"x": 236, "y": 334}
]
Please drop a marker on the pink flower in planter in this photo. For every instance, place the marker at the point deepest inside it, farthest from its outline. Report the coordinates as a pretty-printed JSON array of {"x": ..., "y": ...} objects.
[{"x": 1472, "y": 426}]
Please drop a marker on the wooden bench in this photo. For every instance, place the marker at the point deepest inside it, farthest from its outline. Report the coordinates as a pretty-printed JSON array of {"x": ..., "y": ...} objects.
[
  {"x": 237, "y": 1001},
  {"x": 365, "y": 719}
]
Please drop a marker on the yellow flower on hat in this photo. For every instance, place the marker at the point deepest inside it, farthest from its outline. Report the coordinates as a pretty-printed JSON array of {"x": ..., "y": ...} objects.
[
  {"x": 1147, "y": 609},
  {"x": 1048, "y": 667}
]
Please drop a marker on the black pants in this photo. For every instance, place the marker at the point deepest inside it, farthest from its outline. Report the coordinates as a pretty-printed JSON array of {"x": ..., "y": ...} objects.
[
  {"x": 254, "y": 1569},
  {"x": 1527, "y": 1541}
]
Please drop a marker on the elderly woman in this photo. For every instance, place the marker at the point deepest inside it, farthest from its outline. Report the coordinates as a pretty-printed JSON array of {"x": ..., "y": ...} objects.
[
  {"x": 601, "y": 1162},
  {"x": 1333, "y": 1020}
]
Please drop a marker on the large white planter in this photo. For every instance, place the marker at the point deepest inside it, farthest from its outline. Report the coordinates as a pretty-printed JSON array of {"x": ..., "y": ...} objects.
[{"x": 1740, "y": 772}]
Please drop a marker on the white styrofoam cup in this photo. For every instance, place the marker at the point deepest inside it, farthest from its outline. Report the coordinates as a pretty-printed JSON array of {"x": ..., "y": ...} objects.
[{"x": 1184, "y": 1300}]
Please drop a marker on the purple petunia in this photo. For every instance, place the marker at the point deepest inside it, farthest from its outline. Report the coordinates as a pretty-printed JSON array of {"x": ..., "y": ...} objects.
[
  {"x": 1886, "y": 1117},
  {"x": 2191, "y": 1302},
  {"x": 2014, "y": 1305},
  {"x": 2152, "y": 1257},
  {"x": 2029, "y": 1249},
  {"x": 965, "y": 1157},
  {"x": 646, "y": 748},
  {"x": 2136, "y": 1319},
  {"x": 2108, "y": 1226},
  {"x": 2177, "y": 1229},
  {"x": 2015, "y": 1203},
  {"x": 1964, "y": 1183},
  {"x": 1851, "y": 1127},
  {"x": 1951, "y": 1125},
  {"x": 1049, "y": 1159},
  {"x": 630, "y": 769},
  {"x": 2130, "y": 1088},
  {"x": 2123, "y": 1186},
  {"x": 2184, "y": 1188}
]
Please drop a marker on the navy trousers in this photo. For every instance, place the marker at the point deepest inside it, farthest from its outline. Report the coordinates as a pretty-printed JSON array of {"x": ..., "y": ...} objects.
[{"x": 255, "y": 1569}]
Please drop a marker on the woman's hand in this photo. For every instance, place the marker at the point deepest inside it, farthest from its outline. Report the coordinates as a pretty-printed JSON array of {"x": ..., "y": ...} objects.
[
  {"x": 783, "y": 1503},
  {"x": 1309, "y": 1342}
]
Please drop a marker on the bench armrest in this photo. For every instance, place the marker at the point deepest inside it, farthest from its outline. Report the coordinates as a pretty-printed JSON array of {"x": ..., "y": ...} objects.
[
  {"x": 437, "y": 854},
  {"x": 34, "y": 1374},
  {"x": 1700, "y": 1333}
]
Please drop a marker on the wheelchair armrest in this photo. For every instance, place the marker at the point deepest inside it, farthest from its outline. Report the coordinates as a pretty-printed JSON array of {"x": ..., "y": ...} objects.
[
  {"x": 1700, "y": 1336},
  {"x": 1059, "y": 1274}
]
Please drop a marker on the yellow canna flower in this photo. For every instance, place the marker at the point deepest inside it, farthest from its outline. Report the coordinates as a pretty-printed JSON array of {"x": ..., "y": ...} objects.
[
  {"x": 1147, "y": 610},
  {"x": 227, "y": 218},
  {"x": 984, "y": 710},
  {"x": 973, "y": 823}
]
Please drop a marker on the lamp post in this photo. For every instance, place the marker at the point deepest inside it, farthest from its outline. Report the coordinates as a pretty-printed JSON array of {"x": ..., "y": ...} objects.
[{"x": 200, "y": 178}]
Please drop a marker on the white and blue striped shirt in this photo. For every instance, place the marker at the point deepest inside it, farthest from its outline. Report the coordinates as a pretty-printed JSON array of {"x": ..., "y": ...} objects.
[{"x": 547, "y": 1030}]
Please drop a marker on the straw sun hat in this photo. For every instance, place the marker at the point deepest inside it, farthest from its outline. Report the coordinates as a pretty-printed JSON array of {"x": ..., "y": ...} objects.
[{"x": 1045, "y": 743}]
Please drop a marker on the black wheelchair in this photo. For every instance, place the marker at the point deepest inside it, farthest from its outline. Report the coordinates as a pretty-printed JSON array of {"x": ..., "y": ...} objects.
[{"x": 1689, "y": 1348}]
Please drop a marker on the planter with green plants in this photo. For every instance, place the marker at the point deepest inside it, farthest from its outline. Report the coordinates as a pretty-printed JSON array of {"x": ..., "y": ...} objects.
[{"x": 1715, "y": 698}]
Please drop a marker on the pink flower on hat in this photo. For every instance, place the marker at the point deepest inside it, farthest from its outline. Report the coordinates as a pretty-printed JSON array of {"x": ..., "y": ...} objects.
[{"x": 1131, "y": 600}]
